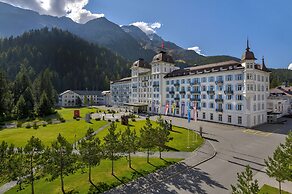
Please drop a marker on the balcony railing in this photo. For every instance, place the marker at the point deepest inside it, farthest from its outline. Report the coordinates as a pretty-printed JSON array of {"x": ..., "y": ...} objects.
[
  {"x": 155, "y": 85},
  {"x": 210, "y": 92},
  {"x": 219, "y": 100},
  {"x": 182, "y": 92},
  {"x": 195, "y": 82},
  {"x": 219, "y": 82},
  {"x": 171, "y": 91},
  {"x": 228, "y": 92},
  {"x": 219, "y": 109}
]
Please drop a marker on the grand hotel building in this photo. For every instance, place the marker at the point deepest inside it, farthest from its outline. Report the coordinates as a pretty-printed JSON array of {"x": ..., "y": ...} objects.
[{"x": 229, "y": 92}]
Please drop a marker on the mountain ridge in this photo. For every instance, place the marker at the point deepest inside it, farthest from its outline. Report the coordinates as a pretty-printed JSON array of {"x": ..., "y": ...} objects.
[{"x": 101, "y": 31}]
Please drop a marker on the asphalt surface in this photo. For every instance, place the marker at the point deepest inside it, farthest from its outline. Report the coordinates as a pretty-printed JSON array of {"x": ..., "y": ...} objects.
[{"x": 235, "y": 148}]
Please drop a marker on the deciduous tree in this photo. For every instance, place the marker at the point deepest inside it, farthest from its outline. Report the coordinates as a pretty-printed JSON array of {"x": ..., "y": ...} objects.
[{"x": 147, "y": 138}]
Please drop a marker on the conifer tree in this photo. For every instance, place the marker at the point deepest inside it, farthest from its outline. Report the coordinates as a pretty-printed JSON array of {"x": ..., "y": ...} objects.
[
  {"x": 162, "y": 135},
  {"x": 112, "y": 144},
  {"x": 33, "y": 151},
  {"x": 60, "y": 160},
  {"x": 130, "y": 143},
  {"x": 91, "y": 152},
  {"x": 245, "y": 183},
  {"x": 277, "y": 166},
  {"x": 147, "y": 138},
  {"x": 20, "y": 108}
]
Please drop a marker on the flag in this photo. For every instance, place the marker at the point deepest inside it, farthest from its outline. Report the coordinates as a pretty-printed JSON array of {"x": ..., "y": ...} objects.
[
  {"x": 189, "y": 112},
  {"x": 166, "y": 108},
  {"x": 173, "y": 108},
  {"x": 182, "y": 109},
  {"x": 195, "y": 111}
]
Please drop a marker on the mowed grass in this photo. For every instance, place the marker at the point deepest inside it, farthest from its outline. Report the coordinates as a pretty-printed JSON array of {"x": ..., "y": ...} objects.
[
  {"x": 266, "y": 189},
  {"x": 79, "y": 181},
  {"x": 180, "y": 136},
  {"x": 49, "y": 133}
]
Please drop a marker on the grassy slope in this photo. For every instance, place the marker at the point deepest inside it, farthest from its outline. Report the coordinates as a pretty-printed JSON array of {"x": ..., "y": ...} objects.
[
  {"x": 180, "y": 136},
  {"x": 48, "y": 134},
  {"x": 266, "y": 189},
  {"x": 79, "y": 181}
]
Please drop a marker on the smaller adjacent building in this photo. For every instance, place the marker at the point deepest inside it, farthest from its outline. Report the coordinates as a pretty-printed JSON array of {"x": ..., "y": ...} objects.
[
  {"x": 120, "y": 91},
  {"x": 73, "y": 98},
  {"x": 279, "y": 103}
]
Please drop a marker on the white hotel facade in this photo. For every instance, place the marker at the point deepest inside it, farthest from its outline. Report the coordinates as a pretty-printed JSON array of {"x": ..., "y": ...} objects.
[{"x": 229, "y": 92}]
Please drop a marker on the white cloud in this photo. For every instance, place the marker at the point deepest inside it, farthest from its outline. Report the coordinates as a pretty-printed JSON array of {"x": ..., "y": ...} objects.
[
  {"x": 148, "y": 28},
  {"x": 73, "y": 9},
  {"x": 197, "y": 50},
  {"x": 290, "y": 66}
]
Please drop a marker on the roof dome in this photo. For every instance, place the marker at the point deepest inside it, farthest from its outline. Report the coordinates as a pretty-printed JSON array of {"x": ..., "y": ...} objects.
[
  {"x": 162, "y": 56},
  {"x": 141, "y": 63},
  {"x": 248, "y": 55}
]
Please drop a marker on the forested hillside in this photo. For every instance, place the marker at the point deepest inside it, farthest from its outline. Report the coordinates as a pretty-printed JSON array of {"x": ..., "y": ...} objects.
[
  {"x": 75, "y": 63},
  {"x": 278, "y": 76}
]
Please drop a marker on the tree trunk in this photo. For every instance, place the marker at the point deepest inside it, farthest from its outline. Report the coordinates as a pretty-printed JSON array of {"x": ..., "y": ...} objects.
[
  {"x": 31, "y": 175},
  {"x": 112, "y": 163},
  {"x": 130, "y": 163},
  {"x": 148, "y": 155},
  {"x": 280, "y": 189},
  {"x": 89, "y": 177},
  {"x": 160, "y": 154},
  {"x": 62, "y": 182}
]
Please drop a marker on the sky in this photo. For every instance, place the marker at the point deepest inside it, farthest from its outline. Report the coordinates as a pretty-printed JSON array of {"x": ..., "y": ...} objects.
[{"x": 210, "y": 27}]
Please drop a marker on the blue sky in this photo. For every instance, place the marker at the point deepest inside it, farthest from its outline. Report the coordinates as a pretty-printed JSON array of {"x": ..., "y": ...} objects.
[{"x": 217, "y": 27}]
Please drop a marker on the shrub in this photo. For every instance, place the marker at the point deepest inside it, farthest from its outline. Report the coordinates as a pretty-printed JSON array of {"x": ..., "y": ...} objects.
[
  {"x": 35, "y": 126},
  {"x": 117, "y": 120},
  {"x": 124, "y": 120},
  {"x": 28, "y": 126},
  {"x": 44, "y": 124},
  {"x": 19, "y": 124},
  {"x": 97, "y": 119},
  {"x": 50, "y": 121},
  {"x": 109, "y": 120},
  {"x": 62, "y": 120},
  {"x": 133, "y": 120}
]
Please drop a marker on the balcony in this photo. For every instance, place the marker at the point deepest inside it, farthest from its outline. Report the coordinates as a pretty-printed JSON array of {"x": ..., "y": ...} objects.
[
  {"x": 210, "y": 92},
  {"x": 195, "y": 83},
  {"x": 171, "y": 91},
  {"x": 195, "y": 91},
  {"x": 219, "y": 100},
  {"x": 134, "y": 86},
  {"x": 219, "y": 109},
  {"x": 182, "y": 92},
  {"x": 155, "y": 85},
  {"x": 219, "y": 82},
  {"x": 228, "y": 92}
]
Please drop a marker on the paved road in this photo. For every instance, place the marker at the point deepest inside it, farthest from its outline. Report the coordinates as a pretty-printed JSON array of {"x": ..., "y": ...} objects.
[{"x": 236, "y": 147}]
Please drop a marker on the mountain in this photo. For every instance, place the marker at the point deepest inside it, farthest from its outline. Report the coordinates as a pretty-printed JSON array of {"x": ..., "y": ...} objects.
[
  {"x": 75, "y": 63},
  {"x": 127, "y": 41}
]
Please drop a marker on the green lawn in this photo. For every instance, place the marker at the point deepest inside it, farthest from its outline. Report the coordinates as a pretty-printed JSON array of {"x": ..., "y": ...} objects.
[
  {"x": 266, "y": 189},
  {"x": 179, "y": 134},
  {"x": 79, "y": 181}
]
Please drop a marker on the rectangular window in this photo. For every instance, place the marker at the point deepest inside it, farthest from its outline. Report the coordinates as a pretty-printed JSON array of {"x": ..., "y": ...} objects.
[
  {"x": 204, "y": 115},
  {"x": 239, "y": 120},
  {"x": 229, "y": 119},
  {"x": 211, "y": 116},
  {"x": 220, "y": 117}
]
